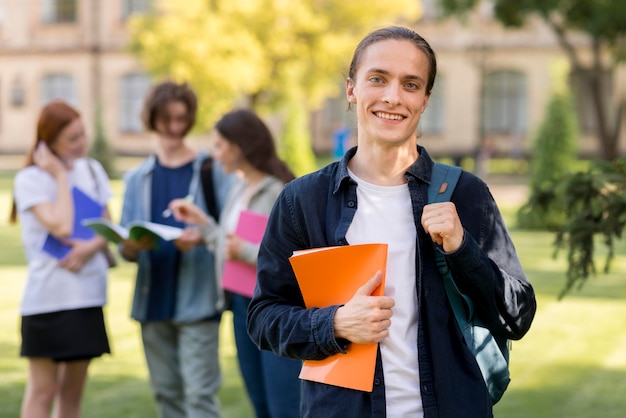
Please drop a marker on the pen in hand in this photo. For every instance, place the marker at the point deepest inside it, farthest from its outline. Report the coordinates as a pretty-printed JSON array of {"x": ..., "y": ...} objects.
[{"x": 168, "y": 212}]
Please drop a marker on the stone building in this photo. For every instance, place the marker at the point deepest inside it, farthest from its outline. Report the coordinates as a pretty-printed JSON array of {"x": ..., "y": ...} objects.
[{"x": 491, "y": 92}]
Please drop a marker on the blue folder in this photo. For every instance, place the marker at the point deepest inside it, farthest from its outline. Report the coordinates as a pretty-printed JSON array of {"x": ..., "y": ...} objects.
[{"x": 84, "y": 207}]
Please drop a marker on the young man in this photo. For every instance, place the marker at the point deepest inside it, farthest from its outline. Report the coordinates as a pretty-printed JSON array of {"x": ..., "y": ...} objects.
[
  {"x": 177, "y": 299},
  {"x": 378, "y": 193}
]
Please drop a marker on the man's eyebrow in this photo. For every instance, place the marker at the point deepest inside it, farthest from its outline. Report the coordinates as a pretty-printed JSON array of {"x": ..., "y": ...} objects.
[
  {"x": 378, "y": 70},
  {"x": 386, "y": 72}
]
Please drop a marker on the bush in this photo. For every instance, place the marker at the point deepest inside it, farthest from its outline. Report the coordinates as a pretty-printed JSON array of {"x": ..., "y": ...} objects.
[
  {"x": 595, "y": 204},
  {"x": 100, "y": 149},
  {"x": 553, "y": 156}
]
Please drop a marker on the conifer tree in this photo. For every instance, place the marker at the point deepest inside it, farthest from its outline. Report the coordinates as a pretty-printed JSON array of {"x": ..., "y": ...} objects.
[{"x": 553, "y": 155}]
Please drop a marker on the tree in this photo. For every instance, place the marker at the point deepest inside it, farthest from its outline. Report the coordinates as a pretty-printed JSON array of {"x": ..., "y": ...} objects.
[
  {"x": 595, "y": 205},
  {"x": 603, "y": 21},
  {"x": 271, "y": 55},
  {"x": 554, "y": 153},
  {"x": 100, "y": 150}
]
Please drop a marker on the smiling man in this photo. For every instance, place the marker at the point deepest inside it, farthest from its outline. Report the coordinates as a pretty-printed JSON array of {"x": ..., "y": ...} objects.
[{"x": 378, "y": 194}]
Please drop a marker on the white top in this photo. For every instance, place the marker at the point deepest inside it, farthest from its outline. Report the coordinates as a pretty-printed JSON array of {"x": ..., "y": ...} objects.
[
  {"x": 385, "y": 215},
  {"x": 50, "y": 288}
]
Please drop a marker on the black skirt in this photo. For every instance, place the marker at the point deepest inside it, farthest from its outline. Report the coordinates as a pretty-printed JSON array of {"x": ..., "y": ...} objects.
[{"x": 76, "y": 334}]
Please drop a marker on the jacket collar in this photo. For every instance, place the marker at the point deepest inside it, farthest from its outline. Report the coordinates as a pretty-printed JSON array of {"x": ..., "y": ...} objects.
[{"x": 421, "y": 169}]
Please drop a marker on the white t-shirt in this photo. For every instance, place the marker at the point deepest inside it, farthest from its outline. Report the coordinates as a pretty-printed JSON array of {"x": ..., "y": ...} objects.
[
  {"x": 385, "y": 215},
  {"x": 50, "y": 288}
]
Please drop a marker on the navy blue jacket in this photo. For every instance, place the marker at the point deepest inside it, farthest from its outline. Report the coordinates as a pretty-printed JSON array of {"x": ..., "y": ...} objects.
[{"x": 315, "y": 211}]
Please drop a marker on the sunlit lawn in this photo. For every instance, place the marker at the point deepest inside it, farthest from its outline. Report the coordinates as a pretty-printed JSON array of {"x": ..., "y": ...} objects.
[{"x": 572, "y": 363}]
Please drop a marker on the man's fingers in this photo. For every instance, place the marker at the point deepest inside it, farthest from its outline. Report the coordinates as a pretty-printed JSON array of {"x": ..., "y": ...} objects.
[{"x": 368, "y": 288}]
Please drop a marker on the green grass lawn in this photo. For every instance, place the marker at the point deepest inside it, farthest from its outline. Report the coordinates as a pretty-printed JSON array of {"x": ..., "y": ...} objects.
[{"x": 571, "y": 364}]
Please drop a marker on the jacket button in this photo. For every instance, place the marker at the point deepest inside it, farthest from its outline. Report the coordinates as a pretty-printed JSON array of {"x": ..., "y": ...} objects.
[
  {"x": 351, "y": 204},
  {"x": 376, "y": 382}
]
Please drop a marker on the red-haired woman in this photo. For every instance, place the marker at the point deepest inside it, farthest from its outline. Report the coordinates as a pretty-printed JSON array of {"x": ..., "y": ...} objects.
[{"x": 62, "y": 322}]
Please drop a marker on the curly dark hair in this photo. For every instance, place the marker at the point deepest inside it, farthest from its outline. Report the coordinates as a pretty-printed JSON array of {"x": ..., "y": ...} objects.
[{"x": 161, "y": 95}]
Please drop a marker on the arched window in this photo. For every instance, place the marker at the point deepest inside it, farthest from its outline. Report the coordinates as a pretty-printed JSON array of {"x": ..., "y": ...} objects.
[
  {"x": 133, "y": 89},
  {"x": 504, "y": 103}
]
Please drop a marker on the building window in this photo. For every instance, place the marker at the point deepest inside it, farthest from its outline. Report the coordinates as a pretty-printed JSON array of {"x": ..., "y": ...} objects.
[
  {"x": 135, "y": 6},
  {"x": 58, "y": 87},
  {"x": 18, "y": 93},
  {"x": 504, "y": 103},
  {"x": 133, "y": 89},
  {"x": 431, "y": 9},
  {"x": 432, "y": 120},
  {"x": 59, "y": 11}
]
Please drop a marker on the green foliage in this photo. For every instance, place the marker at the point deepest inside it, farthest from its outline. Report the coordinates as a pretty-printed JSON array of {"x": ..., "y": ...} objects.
[
  {"x": 233, "y": 49},
  {"x": 295, "y": 140},
  {"x": 600, "y": 19},
  {"x": 553, "y": 157},
  {"x": 100, "y": 149},
  {"x": 258, "y": 52},
  {"x": 595, "y": 203}
]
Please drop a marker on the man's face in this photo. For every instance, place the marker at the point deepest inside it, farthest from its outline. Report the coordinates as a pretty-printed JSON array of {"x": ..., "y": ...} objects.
[
  {"x": 389, "y": 91},
  {"x": 173, "y": 121}
]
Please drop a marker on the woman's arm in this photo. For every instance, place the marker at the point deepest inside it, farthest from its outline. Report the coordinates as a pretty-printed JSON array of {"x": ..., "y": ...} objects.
[{"x": 56, "y": 216}]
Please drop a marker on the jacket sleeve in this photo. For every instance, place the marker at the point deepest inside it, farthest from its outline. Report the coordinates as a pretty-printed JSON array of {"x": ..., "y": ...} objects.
[
  {"x": 486, "y": 267},
  {"x": 277, "y": 318}
]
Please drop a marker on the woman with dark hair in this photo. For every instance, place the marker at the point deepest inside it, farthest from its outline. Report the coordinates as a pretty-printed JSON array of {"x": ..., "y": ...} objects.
[
  {"x": 62, "y": 322},
  {"x": 244, "y": 144}
]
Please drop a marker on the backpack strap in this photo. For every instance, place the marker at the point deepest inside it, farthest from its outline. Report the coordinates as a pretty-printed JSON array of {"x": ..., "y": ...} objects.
[
  {"x": 206, "y": 175},
  {"x": 491, "y": 353},
  {"x": 443, "y": 181}
]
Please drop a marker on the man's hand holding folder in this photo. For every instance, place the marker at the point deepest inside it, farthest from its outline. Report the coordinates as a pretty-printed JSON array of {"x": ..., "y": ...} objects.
[
  {"x": 349, "y": 322},
  {"x": 346, "y": 275}
]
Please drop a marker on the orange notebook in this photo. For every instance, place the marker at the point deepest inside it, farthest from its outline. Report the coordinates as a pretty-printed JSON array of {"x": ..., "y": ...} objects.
[{"x": 330, "y": 276}]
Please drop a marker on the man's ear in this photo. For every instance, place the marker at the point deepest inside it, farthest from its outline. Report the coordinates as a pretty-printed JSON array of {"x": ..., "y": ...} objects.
[
  {"x": 350, "y": 90},
  {"x": 425, "y": 103}
]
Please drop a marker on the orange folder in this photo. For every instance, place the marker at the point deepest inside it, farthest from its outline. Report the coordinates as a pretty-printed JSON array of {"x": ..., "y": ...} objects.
[{"x": 330, "y": 276}]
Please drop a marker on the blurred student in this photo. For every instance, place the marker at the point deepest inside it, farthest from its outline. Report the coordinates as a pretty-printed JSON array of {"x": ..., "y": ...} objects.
[
  {"x": 176, "y": 299},
  {"x": 62, "y": 325},
  {"x": 244, "y": 144}
]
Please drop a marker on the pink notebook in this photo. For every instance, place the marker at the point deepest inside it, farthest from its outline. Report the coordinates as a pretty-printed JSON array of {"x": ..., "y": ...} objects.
[{"x": 240, "y": 277}]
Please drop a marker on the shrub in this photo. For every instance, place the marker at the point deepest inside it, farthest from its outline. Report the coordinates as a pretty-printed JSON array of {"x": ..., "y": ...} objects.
[{"x": 553, "y": 156}]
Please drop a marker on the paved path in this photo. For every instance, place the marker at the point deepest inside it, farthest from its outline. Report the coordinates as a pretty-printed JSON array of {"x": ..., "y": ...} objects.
[{"x": 511, "y": 191}]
